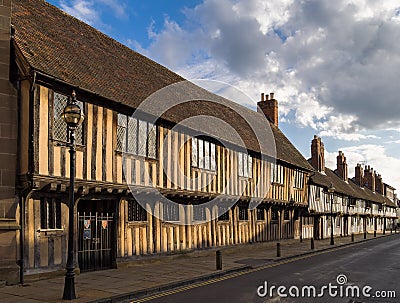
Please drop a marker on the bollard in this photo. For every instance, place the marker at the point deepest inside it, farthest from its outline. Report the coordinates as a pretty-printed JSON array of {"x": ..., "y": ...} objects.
[
  {"x": 278, "y": 249},
  {"x": 312, "y": 243},
  {"x": 218, "y": 256},
  {"x": 301, "y": 239},
  {"x": 374, "y": 233},
  {"x": 352, "y": 237},
  {"x": 365, "y": 235},
  {"x": 391, "y": 230}
]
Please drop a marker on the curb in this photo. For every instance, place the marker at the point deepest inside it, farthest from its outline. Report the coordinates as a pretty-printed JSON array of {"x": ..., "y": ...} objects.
[
  {"x": 325, "y": 249},
  {"x": 173, "y": 285},
  {"x": 164, "y": 287}
]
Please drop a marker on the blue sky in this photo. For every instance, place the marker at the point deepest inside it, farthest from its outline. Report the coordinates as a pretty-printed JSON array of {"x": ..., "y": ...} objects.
[{"x": 333, "y": 65}]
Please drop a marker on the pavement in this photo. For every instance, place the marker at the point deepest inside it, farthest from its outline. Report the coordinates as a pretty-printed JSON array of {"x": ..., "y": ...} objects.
[{"x": 150, "y": 275}]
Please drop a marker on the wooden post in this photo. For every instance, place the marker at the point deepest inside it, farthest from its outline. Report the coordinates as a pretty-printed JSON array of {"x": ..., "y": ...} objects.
[
  {"x": 278, "y": 249},
  {"x": 157, "y": 226},
  {"x": 312, "y": 244},
  {"x": 182, "y": 226},
  {"x": 218, "y": 257},
  {"x": 150, "y": 242}
]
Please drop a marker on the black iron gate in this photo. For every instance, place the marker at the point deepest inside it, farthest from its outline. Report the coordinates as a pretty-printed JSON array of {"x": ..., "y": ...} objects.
[{"x": 95, "y": 247}]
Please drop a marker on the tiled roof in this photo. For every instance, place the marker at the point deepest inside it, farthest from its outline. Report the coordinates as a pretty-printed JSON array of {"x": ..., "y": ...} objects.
[
  {"x": 349, "y": 188},
  {"x": 68, "y": 50}
]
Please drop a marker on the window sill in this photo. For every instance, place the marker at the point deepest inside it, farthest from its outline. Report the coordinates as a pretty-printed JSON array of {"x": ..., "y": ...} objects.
[
  {"x": 242, "y": 178},
  {"x": 59, "y": 143},
  {"x": 135, "y": 156},
  {"x": 204, "y": 170},
  {"x": 199, "y": 222},
  {"x": 136, "y": 223},
  {"x": 50, "y": 232}
]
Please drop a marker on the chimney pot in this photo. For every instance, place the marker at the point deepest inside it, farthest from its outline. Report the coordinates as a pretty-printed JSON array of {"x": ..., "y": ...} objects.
[
  {"x": 269, "y": 108},
  {"x": 272, "y": 96}
]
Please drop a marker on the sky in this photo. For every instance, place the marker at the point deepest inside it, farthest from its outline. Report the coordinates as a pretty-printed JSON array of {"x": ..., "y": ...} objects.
[{"x": 334, "y": 66}]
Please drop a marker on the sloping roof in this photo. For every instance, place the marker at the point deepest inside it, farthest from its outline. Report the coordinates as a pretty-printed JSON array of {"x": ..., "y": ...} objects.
[
  {"x": 349, "y": 188},
  {"x": 68, "y": 50}
]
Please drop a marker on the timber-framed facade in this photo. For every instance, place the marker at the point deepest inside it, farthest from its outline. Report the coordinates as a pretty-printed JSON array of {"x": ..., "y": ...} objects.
[
  {"x": 121, "y": 159},
  {"x": 118, "y": 156},
  {"x": 359, "y": 205}
]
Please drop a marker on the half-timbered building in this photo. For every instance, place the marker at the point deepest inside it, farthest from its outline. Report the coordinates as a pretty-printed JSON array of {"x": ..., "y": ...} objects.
[
  {"x": 358, "y": 205},
  {"x": 121, "y": 157}
]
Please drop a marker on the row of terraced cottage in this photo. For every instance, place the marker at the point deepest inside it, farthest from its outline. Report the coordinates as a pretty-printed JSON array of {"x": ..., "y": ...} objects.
[{"x": 121, "y": 159}]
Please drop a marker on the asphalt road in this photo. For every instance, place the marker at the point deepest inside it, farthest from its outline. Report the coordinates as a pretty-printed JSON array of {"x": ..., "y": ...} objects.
[{"x": 368, "y": 267}]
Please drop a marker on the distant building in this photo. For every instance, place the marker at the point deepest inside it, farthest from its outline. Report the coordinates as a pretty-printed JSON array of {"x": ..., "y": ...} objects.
[{"x": 361, "y": 204}]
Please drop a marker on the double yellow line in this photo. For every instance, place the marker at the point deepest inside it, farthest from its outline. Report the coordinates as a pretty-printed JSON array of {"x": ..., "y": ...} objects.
[{"x": 230, "y": 276}]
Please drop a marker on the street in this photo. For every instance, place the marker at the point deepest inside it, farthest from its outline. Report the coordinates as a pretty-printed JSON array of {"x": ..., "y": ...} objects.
[{"x": 358, "y": 273}]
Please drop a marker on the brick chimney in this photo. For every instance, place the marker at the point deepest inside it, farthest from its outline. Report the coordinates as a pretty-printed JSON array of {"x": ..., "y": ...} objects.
[
  {"x": 269, "y": 107},
  {"x": 369, "y": 178},
  {"x": 8, "y": 153},
  {"x": 341, "y": 166},
  {"x": 359, "y": 175},
  {"x": 378, "y": 184},
  {"x": 317, "y": 154}
]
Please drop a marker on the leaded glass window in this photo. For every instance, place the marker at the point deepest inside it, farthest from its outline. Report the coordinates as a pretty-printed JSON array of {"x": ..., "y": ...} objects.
[
  {"x": 136, "y": 212},
  {"x": 170, "y": 212},
  {"x": 203, "y": 154},
  {"x": 136, "y": 137},
  {"x": 277, "y": 173},
  {"x": 60, "y": 129},
  {"x": 245, "y": 165},
  {"x": 298, "y": 181},
  {"x": 223, "y": 214},
  {"x": 243, "y": 213},
  {"x": 50, "y": 213}
]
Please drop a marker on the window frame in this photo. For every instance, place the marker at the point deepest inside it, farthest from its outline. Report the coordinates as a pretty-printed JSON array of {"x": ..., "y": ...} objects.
[
  {"x": 124, "y": 145},
  {"x": 277, "y": 173},
  {"x": 260, "y": 211},
  {"x": 286, "y": 215},
  {"x": 170, "y": 212},
  {"x": 274, "y": 215},
  {"x": 298, "y": 179},
  {"x": 57, "y": 122},
  {"x": 243, "y": 213},
  {"x": 203, "y": 154},
  {"x": 50, "y": 214},
  {"x": 136, "y": 212},
  {"x": 223, "y": 214},
  {"x": 199, "y": 214},
  {"x": 245, "y": 165}
]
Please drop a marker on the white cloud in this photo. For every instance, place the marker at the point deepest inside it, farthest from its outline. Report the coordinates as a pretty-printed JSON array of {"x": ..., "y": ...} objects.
[
  {"x": 81, "y": 9},
  {"x": 91, "y": 11},
  {"x": 369, "y": 154},
  {"x": 334, "y": 65},
  {"x": 119, "y": 7}
]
